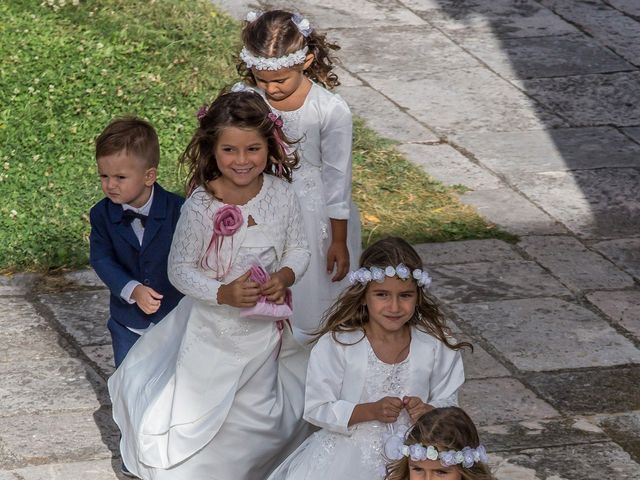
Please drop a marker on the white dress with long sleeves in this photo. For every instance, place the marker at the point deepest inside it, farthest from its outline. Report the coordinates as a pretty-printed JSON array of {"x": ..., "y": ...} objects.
[
  {"x": 323, "y": 125},
  {"x": 340, "y": 377},
  {"x": 207, "y": 393}
]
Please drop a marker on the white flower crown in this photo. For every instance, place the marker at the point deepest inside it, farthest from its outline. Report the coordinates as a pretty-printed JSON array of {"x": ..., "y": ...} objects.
[
  {"x": 365, "y": 275},
  {"x": 395, "y": 449}
]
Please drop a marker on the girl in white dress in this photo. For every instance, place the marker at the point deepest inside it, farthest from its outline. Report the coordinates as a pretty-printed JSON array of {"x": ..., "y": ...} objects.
[
  {"x": 383, "y": 360},
  {"x": 287, "y": 61},
  {"x": 210, "y": 393}
]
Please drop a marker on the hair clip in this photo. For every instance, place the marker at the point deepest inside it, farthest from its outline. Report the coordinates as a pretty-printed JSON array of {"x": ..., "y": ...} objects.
[
  {"x": 253, "y": 16},
  {"x": 276, "y": 119},
  {"x": 303, "y": 25},
  {"x": 202, "y": 112}
]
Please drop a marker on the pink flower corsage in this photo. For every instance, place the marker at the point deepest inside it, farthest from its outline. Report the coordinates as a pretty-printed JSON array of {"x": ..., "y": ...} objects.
[{"x": 226, "y": 222}]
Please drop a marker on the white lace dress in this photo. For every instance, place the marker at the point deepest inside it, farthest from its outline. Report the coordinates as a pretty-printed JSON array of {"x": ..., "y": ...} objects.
[
  {"x": 207, "y": 393},
  {"x": 323, "y": 184},
  {"x": 335, "y": 456}
]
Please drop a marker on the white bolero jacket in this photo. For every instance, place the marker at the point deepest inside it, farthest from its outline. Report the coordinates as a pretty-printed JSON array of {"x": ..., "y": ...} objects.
[
  {"x": 275, "y": 206},
  {"x": 336, "y": 376}
]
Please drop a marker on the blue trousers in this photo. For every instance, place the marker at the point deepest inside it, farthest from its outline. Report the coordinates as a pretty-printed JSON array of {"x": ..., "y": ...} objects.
[{"x": 122, "y": 339}]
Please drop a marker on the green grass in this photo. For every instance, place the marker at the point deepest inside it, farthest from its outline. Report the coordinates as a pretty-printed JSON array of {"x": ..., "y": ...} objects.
[{"x": 67, "y": 71}]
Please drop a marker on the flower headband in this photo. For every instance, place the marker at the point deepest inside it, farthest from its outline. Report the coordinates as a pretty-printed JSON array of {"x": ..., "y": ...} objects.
[
  {"x": 395, "y": 449},
  {"x": 365, "y": 275}
]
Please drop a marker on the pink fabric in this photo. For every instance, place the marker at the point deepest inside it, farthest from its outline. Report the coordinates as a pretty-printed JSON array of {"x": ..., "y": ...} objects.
[
  {"x": 226, "y": 221},
  {"x": 266, "y": 309}
]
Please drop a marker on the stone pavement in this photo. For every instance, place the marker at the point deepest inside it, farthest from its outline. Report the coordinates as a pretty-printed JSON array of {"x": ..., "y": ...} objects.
[{"x": 534, "y": 105}]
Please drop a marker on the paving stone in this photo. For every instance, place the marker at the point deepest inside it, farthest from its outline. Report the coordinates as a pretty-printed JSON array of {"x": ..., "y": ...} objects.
[
  {"x": 384, "y": 117},
  {"x": 624, "y": 252},
  {"x": 237, "y": 8},
  {"x": 466, "y": 251},
  {"x": 512, "y": 211},
  {"x": 84, "y": 278},
  {"x": 446, "y": 164},
  {"x": 83, "y": 314},
  {"x": 94, "y": 470},
  {"x": 488, "y": 281},
  {"x": 479, "y": 364},
  {"x": 4, "y": 475},
  {"x": 540, "y": 57},
  {"x": 607, "y": 25},
  {"x": 490, "y": 103},
  {"x": 385, "y": 50},
  {"x": 588, "y": 100},
  {"x": 18, "y": 284},
  {"x": 624, "y": 429},
  {"x": 622, "y": 307},
  {"x": 633, "y": 132},
  {"x": 540, "y": 434},
  {"x": 548, "y": 334},
  {"x": 551, "y": 150},
  {"x": 503, "y": 18},
  {"x": 501, "y": 400},
  {"x": 49, "y": 438},
  {"x": 572, "y": 462},
  {"x": 575, "y": 266},
  {"x": 346, "y": 78},
  {"x": 32, "y": 386},
  {"x": 102, "y": 356},
  {"x": 630, "y": 7},
  {"x": 595, "y": 204},
  {"x": 7, "y": 458},
  {"x": 590, "y": 391},
  {"x": 358, "y": 14}
]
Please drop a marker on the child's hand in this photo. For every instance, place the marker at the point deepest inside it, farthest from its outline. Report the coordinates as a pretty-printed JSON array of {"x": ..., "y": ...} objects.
[
  {"x": 241, "y": 293},
  {"x": 387, "y": 409},
  {"x": 276, "y": 288},
  {"x": 338, "y": 255},
  {"x": 147, "y": 299},
  {"x": 415, "y": 407}
]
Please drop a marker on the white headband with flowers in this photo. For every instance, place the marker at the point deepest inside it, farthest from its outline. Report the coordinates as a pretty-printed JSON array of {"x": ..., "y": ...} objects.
[
  {"x": 277, "y": 63},
  {"x": 365, "y": 275}
]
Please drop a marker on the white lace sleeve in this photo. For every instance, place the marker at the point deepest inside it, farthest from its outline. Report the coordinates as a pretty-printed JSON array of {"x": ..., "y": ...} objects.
[
  {"x": 190, "y": 240},
  {"x": 296, "y": 252}
]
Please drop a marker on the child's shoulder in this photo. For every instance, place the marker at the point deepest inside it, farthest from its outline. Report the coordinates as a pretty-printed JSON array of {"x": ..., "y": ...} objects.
[
  {"x": 328, "y": 98},
  {"x": 340, "y": 340}
]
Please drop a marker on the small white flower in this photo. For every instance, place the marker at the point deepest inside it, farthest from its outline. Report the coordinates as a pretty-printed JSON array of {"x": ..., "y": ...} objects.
[
  {"x": 13, "y": 214},
  {"x": 432, "y": 453},
  {"x": 252, "y": 16},
  {"x": 390, "y": 271}
]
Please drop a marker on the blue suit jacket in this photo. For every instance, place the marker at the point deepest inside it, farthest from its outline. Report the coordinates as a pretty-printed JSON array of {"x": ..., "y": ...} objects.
[{"x": 117, "y": 256}]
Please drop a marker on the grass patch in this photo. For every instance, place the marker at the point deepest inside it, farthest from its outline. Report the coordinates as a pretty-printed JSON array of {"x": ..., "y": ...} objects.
[{"x": 67, "y": 71}]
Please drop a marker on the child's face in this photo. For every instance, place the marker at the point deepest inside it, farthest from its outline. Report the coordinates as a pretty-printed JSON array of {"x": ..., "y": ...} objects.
[
  {"x": 432, "y": 470},
  {"x": 241, "y": 155},
  {"x": 125, "y": 178},
  {"x": 392, "y": 303},
  {"x": 280, "y": 84}
]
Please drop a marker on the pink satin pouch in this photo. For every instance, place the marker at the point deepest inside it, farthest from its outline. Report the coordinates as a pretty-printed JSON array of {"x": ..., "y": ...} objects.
[{"x": 265, "y": 309}]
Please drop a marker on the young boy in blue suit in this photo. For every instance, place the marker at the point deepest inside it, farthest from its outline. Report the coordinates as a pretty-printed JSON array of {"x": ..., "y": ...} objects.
[{"x": 131, "y": 231}]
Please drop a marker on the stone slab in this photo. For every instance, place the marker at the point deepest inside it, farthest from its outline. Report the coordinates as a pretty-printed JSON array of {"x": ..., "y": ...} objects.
[
  {"x": 607, "y": 25},
  {"x": 571, "y": 462},
  {"x": 596, "y": 204},
  {"x": 588, "y": 100},
  {"x": 474, "y": 99},
  {"x": 624, "y": 252},
  {"x": 83, "y": 314},
  {"x": 540, "y": 57},
  {"x": 504, "y": 18},
  {"x": 541, "y": 434},
  {"x": 347, "y": 79},
  {"x": 573, "y": 264},
  {"x": 93, "y": 470},
  {"x": 501, "y": 400},
  {"x": 18, "y": 284},
  {"x": 385, "y": 50},
  {"x": 102, "y": 356},
  {"x": 237, "y": 8},
  {"x": 479, "y": 364},
  {"x": 8, "y": 459},
  {"x": 32, "y": 386},
  {"x": 590, "y": 391},
  {"x": 624, "y": 429},
  {"x": 633, "y": 132},
  {"x": 384, "y": 117},
  {"x": 551, "y": 150},
  {"x": 466, "y": 251},
  {"x": 448, "y": 165},
  {"x": 48, "y": 438},
  {"x": 548, "y": 334},
  {"x": 84, "y": 278},
  {"x": 358, "y": 14},
  {"x": 490, "y": 281},
  {"x": 621, "y": 307},
  {"x": 630, "y": 7},
  {"x": 5, "y": 475}
]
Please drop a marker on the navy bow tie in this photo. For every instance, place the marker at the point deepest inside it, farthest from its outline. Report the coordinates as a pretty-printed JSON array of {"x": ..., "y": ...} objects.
[{"x": 129, "y": 215}]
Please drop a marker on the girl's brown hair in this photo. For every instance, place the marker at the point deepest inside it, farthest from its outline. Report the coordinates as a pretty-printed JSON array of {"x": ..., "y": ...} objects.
[
  {"x": 446, "y": 429},
  {"x": 349, "y": 313},
  {"x": 246, "y": 110},
  {"x": 274, "y": 34}
]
